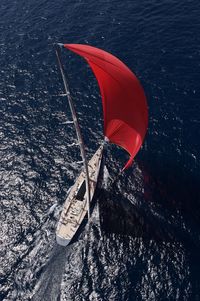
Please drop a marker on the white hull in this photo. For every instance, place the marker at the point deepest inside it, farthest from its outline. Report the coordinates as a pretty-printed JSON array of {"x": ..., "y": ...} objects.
[{"x": 75, "y": 206}]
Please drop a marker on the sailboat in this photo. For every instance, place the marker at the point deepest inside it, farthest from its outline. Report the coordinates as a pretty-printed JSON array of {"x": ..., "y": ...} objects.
[{"x": 125, "y": 118}]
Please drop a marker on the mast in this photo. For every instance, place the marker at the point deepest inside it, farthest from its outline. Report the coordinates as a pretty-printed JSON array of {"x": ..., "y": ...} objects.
[{"x": 77, "y": 127}]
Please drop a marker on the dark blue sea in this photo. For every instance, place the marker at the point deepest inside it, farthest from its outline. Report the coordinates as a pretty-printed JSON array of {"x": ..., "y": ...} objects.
[{"x": 143, "y": 240}]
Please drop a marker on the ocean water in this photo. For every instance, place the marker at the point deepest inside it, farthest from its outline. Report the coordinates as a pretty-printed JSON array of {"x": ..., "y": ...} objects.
[{"x": 143, "y": 241}]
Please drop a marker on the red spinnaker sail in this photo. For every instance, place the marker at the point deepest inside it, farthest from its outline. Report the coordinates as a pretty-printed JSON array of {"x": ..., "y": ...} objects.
[{"x": 124, "y": 101}]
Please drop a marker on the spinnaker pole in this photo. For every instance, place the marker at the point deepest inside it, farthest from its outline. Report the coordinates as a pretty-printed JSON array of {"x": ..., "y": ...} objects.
[{"x": 77, "y": 127}]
